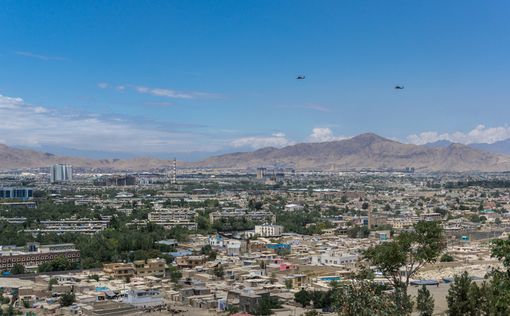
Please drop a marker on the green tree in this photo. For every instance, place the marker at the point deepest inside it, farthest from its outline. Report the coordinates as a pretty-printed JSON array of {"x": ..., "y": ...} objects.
[
  {"x": 407, "y": 253},
  {"x": 497, "y": 292},
  {"x": 67, "y": 299},
  {"x": 458, "y": 297},
  {"x": 265, "y": 305},
  {"x": 364, "y": 298},
  {"x": 302, "y": 297},
  {"x": 218, "y": 271},
  {"x": 174, "y": 273},
  {"x": 94, "y": 277},
  {"x": 18, "y": 269},
  {"x": 51, "y": 283},
  {"x": 232, "y": 309},
  {"x": 476, "y": 299},
  {"x": 60, "y": 263},
  {"x": 358, "y": 232},
  {"x": 11, "y": 311},
  {"x": 425, "y": 302},
  {"x": 446, "y": 258}
]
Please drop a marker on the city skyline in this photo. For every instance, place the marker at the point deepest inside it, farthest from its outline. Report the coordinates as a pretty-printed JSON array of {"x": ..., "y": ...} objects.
[{"x": 184, "y": 77}]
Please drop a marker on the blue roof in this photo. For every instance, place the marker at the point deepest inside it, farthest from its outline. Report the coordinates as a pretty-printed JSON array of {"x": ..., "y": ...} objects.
[
  {"x": 102, "y": 289},
  {"x": 278, "y": 246}
]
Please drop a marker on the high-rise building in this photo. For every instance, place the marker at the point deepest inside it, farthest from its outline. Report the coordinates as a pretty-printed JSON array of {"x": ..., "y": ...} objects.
[
  {"x": 61, "y": 173},
  {"x": 261, "y": 173}
]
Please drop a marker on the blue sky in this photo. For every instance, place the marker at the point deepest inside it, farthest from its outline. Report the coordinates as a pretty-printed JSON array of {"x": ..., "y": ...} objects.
[{"x": 177, "y": 77}]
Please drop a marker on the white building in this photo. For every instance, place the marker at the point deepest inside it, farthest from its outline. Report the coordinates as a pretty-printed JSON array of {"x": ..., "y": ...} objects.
[
  {"x": 233, "y": 247},
  {"x": 143, "y": 298},
  {"x": 293, "y": 207},
  {"x": 172, "y": 215},
  {"x": 331, "y": 258},
  {"x": 83, "y": 226},
  {"x": 269, "y": 230},
  {"x": 61, "y": 173}
]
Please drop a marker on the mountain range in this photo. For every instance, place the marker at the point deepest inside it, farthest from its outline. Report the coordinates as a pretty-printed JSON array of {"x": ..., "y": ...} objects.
[
  {"x": 499, "y": 147},
  {"x": 14, "y": 158},
  {"x": 365, "y": 151},
  {"x": 362, "y": 152}
]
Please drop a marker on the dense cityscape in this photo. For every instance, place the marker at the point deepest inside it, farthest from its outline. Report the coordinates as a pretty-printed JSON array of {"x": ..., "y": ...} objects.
[{"x": 263, "y": 242}]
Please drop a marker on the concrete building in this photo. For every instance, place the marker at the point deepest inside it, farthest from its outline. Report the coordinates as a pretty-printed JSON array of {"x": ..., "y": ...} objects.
[
  {"x": 116, "y": 180},
  {"x": 33, "y": 255},
  {"x": 293, "y": 207},
  {"x": 172, "y": 215},
  {"x": 332, "y": 258},
  {"x": 184, "y": 224},
  {"x": 153, "y": 267},
  {"x": 269, "y": 230},
  {"x": 174, "y": 218},
  {"x": 119, "y": 270},
  {"x": 431, "y": 217},
  {"x": 83, "y": 226},
  {"x": 16, "y": 193},
  {"x": 143, "y": 298},
  {"x": 19, "y": 204},
  {"x": 258, "y": 216},
  {"x": 14, "y": 220},
  {"x": 190, "y": 261},
  {"x": 109, "y": 308},
  {"x": 261, "y": 173},
  {"x": 296, "y": 281},
  {"x": 61, "y": 173}
]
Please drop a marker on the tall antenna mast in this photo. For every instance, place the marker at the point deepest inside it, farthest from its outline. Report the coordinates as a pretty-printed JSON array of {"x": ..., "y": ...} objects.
[{"x": 174, "y": 173}]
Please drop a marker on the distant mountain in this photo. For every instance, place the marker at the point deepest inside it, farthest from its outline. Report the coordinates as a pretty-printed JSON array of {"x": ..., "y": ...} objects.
[
  {"x": 100, "y": 154},
  {"x": 501, "y": 147},
  {"x": 366, "y": 151},
  {"x": 439, "y": 144},
  {"x": 13, "y": 158},
  {"x": 363, "y": 152}
]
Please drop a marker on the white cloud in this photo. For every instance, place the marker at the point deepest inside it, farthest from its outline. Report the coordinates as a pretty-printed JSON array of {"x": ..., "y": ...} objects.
[
  {"x": 161, "y": 92},
  {"x": 317, "y": 107},
  {"x": 255, "y": 142},
  {"x": 40, "y": 109},
  {"x": 480, "y": 134},
  {"x": 169, "y": 93},
  {"x": 323, "y": 134},
  {"x": 34, "y": 126},
  {"x": 40, "y": 57},
  {"x": 8, "y": 102},
  {"x": 164, "y": 93}
]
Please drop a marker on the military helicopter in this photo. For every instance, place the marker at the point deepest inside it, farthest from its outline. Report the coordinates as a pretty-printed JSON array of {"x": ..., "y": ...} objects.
[
  {"x": 399, "y": 87},
  {"x": 300, "y": 77}
]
